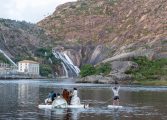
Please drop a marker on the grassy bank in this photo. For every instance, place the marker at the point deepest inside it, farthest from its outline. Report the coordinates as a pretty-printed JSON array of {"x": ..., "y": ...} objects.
[
  {"x": 149, "y": 72},
  {"x": 88, "y": 69},
  {"x": 153, "y": 82}
]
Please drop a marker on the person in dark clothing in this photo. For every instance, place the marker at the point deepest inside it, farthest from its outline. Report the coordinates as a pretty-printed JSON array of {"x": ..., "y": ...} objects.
[{"x": 52, "y": 95}]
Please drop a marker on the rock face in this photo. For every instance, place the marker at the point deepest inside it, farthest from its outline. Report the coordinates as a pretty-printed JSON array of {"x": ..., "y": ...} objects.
[
  {"x": 21, "y": 39},
  {"x": 129, "y": 55},
  {"x": 122, "y": 26},
  {"x": 119, "y": 68},
  {"x": 95, "y": 31},
  {"x": 98, "y": 54},
  {"x": 110, "y": 30},
  {"x": 117, "y": 74},
  {"x": 96, "y": 79},
  {"x": 122, "y": 66},
  {"x": 118, "y": 30}
]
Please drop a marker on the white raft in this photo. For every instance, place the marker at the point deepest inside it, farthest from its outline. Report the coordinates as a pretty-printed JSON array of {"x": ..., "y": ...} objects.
[
  {"x": 114, "y": 106},
  {"x": 69, "y": 106}
]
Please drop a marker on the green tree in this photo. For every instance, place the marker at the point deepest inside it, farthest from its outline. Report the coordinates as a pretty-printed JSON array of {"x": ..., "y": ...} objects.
[
  {"x": 45, "y": 70},
  {"x": 87, "y": 69},
  {"x": 103, "y": 68}
]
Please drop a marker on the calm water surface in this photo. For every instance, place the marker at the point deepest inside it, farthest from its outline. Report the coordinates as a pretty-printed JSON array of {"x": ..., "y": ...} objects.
[{"x": 19, "y": 100}]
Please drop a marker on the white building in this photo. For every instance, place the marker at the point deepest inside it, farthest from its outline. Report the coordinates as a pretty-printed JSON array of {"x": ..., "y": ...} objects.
[{"x": 29, "y": 67}]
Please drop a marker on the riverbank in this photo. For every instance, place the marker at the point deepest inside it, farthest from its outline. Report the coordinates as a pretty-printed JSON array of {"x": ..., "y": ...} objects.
[
  {"x": 98, "y": 79},
  {"x": 140, "y": 71},
  {"x": 10, "y": 77},
  {"x": 152, "y": 83}
]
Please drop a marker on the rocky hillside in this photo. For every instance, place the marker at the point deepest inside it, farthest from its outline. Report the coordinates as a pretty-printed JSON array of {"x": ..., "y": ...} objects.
[
  {"x": 92, "y": 31},
  {"x": 125, "y": 27},
  {"x": 20, "y": 40}
]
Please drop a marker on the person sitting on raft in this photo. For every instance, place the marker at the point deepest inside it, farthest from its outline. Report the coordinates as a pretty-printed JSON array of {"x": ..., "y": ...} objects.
[
  {"x": 59, "y": 102},
  {"x": 115, "y": 90},
  {"x": 75, "y": 100},
  {"x": 50, "y": 98},
  {"x": 66, "y": 95},
  {"x": 70, "y": 97}
]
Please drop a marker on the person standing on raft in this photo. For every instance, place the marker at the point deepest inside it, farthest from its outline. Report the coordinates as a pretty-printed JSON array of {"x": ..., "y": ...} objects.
[{"x": 115, "y": 90}]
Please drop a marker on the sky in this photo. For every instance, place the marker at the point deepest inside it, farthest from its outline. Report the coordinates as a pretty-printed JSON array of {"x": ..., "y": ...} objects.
[{"x": 28, "y": 10}]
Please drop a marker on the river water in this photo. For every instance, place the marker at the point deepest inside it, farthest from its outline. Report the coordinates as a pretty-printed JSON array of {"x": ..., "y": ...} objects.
[{"x": 19, "y": 100}]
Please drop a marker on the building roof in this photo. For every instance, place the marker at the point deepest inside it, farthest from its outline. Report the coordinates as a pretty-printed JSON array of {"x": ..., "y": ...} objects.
[{"x": 28, "y": 61}]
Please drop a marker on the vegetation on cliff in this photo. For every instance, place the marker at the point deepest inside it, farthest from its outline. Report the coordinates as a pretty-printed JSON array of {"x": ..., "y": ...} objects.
[
  {"x": 3, "y": 59},
  {"x": 88, "y": 69},
  {"x": 21, "y": 40},
  {"x": 119, "y": 22},
  {"x": 149, "y": 71},
  {"x": 122, "y": 26},
  {"x": 119, "y": 26},
  {"x": 47, "y": 60}
]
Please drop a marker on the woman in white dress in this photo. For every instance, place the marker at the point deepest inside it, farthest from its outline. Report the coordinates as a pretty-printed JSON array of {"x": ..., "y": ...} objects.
[{"x": 75, "y": 100}]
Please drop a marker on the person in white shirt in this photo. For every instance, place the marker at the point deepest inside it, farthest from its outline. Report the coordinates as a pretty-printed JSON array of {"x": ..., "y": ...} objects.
[
  {"x": 115, "y": 90},
  {"x": 75, "y": 100}
]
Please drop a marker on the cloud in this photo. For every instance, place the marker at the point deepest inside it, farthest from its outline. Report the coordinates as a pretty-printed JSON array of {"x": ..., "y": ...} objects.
[{"x": 28, "y": 10}]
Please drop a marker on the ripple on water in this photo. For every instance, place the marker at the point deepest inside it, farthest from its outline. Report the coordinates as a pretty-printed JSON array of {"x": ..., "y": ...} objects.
[{"x": 20, "y": 99}]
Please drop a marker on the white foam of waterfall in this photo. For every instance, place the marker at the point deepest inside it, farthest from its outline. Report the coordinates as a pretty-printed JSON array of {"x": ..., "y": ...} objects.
[
  {"x": 67, "y": 63},
  {"x": 76, "y": 69},
  {"x": 58, "y": 55},
  {"x": 65, "y": 69},
  {"x": 8, "y": 57}
]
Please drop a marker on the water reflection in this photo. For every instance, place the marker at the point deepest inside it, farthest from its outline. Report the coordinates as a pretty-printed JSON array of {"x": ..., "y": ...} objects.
[
  {"x": 7, "y": 99},
  {"x": 27, "y": 94},
  {"x": 19, "y": 100},
  {"x": 116, "y": 114},
  {"x": 63, "y": 114}
]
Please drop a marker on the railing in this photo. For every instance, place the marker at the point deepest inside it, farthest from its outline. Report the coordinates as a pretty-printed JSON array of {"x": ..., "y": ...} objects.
[{"x": 17, "y": 75}]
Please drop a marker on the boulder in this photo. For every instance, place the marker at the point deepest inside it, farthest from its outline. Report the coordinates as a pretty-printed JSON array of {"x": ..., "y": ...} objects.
[
  {"x": 95, "y": 79},
  {"x": 122, "y": 66},
  {"x": 119, "y": 68}
]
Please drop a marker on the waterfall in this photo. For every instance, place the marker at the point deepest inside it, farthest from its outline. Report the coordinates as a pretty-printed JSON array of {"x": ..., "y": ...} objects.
[
  {"x": 76, "y": 69},
  {"x": 8, "y": 57},
  {"x": 65, "y": 69},
  {"x": 69, "y": 68}
]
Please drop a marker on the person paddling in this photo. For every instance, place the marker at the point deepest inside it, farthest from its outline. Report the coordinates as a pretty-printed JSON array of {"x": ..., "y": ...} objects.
[
  {"x": 51, "y": 97},
  {"x": 115, "y": 90}
]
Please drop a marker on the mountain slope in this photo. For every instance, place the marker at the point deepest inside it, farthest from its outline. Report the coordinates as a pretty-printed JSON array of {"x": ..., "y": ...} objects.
[
  {"x": 121, "y": 25},
  {"x": 20, "y": 39}
]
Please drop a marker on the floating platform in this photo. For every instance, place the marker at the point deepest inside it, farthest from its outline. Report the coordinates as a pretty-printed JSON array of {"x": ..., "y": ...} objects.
[
  {"x": 114, "y": 106},
  {"x": 69, "y": 106}
]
